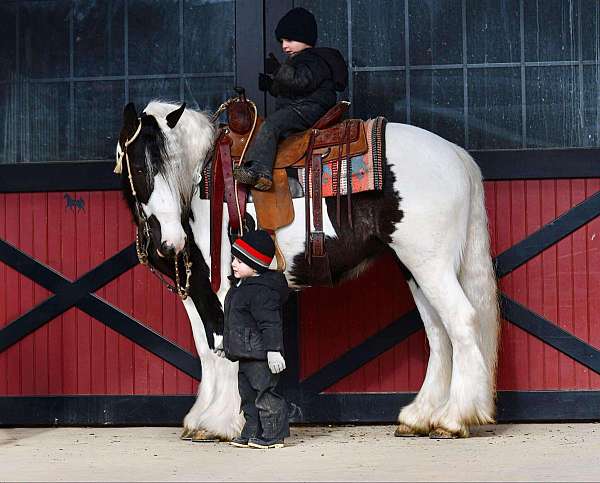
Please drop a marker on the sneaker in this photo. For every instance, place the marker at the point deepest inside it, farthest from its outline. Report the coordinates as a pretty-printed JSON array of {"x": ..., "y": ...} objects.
[
  {"x": 239, "y": 442},
  {"x": 260, "y": 443},
  {"x": 263, "y": 183},
  {"x": 245, "y": 175}
]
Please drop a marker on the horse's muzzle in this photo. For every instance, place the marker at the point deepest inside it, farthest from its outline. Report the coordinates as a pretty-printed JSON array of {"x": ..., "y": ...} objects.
[{"x": 167, "y": 250}]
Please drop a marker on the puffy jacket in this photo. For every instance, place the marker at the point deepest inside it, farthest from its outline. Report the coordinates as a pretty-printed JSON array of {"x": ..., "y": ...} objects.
[
  {"x": 311, "y": 76},
  {"x": 253, "y": 322}
]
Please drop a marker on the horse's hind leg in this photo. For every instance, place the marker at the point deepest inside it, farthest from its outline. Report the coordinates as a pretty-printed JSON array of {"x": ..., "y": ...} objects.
[
  {"x": 468, "y": 399},
  {"x": 416, "y": 417}
]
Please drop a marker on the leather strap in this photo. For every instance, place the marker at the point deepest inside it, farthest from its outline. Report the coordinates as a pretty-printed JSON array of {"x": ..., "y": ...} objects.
[
  {"x": 317, "y": 237},
  {"x": 311, "y": 143},
  {"x": 236, "y": 218},
  {"x": 319, "y": 266},
  {"x": 338, "y": 195},
  {"x": 349, "y": 177},
  {"x": 216, "y": 211}
]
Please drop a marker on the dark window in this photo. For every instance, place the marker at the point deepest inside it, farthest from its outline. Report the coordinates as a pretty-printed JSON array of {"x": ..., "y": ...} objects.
[
  {"x": 67, "y": 68},
  {"x": 486, "y": 74}
]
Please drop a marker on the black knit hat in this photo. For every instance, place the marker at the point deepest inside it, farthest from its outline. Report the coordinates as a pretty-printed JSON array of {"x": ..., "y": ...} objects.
[
  {"x": 298, "y": 24},
  {"x": 256, "y": 249}
]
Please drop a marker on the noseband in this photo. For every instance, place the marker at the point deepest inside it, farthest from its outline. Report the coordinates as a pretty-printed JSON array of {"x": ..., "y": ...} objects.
[{"x": 142, "y": 238}]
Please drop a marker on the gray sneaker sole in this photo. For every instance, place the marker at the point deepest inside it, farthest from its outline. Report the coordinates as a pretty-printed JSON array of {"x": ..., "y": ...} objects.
[{"x": 258, "y": 446}]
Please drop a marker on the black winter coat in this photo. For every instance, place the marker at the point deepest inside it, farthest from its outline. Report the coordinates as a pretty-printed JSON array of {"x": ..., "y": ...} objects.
[
  {"x": 253, "y": 323},
  {"x": 310, "y": 79}
]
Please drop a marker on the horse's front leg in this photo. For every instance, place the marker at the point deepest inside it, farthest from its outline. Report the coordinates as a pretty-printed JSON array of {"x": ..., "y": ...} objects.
[{"x": 216, "y": 412}]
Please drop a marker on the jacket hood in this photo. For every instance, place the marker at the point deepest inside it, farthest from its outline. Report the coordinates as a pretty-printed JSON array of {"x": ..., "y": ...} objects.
[
  {"x": 274, "y": 280},
  {"x": 337, "y": 64}
]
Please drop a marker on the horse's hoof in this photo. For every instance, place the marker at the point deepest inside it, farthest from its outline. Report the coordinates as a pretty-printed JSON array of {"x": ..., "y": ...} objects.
[
  {"x": 202, "y": 436},
  {"x": 441, "y": 433},
  {"x": 186, "y": 435},
  {"x": 405, "y": 431}
]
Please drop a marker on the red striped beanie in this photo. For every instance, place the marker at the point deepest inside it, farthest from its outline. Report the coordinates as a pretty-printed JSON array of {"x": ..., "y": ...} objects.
[{"x": 256, "y": 249}]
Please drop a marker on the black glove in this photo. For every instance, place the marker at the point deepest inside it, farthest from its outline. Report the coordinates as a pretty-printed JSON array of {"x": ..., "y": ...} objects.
[
  {"x": 264, "y": 82},
  {"x": 271, "y": 64}
]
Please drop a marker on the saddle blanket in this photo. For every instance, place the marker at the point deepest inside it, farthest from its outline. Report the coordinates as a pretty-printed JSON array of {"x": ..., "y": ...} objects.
[{"x": 367, "y": 169}]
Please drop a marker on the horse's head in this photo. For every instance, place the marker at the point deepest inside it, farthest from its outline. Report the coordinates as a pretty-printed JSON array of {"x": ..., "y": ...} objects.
[{"x": 157, "y": 180}]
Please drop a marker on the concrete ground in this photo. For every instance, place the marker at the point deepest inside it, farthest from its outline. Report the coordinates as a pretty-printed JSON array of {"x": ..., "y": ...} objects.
[{"x": 525, "y": 452}]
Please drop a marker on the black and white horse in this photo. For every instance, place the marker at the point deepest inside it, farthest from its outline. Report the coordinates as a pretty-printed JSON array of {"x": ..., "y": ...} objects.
[{"x": 431, "y": 214}]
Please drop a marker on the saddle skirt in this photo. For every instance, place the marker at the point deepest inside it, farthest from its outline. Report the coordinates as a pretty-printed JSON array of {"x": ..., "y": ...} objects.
[{"x": 366, "y": 169}]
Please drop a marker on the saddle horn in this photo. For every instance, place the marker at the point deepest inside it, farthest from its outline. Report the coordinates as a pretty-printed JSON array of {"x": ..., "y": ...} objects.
[{"x": 173, "y": 117}]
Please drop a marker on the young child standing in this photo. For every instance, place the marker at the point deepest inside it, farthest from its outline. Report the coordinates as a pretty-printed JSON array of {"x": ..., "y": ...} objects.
[
  {"x": 305, "y": 86},
  {"x": 253, "y": 335}
]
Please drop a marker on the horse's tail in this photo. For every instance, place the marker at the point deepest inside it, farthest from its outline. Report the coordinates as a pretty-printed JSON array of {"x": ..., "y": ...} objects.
[{"x": 477, "y": 276}]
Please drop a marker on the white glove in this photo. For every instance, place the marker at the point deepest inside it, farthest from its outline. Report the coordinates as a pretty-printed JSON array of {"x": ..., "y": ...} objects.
[
  {"x": 276, "y": 362},
  {"x": 218, "y": 350}
]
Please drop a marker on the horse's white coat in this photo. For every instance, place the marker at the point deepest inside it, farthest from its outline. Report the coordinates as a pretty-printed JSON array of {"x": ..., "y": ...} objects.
[
  {"x": 165, "y": 205},
  {"x": 444, "y": 242}
]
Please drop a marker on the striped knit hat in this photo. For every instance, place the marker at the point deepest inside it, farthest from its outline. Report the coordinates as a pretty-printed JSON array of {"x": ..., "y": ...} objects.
[{"x": 256, "y": 249}]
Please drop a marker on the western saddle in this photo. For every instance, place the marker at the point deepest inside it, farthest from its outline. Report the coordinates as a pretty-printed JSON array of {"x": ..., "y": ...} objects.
[{"x": 329, "y": 140}]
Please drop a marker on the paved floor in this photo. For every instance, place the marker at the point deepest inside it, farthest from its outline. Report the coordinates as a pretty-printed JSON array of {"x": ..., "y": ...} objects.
[{"x": 553, "y": 452}]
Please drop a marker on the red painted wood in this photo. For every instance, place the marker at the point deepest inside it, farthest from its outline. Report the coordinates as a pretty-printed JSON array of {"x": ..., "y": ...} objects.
[
  {"x": 83, "y": 321},
  {"x": 3, "y": 302},
  {"x": 534, "y": 300},
  {"x": 75, "y": 354},
  {"x": 593, "y": 279},
  {"x": 169, "y": 318},
  {"x": 550, "y": 290},
  {"x": 26, "y": 286},
  {"x": 125, "y": 303},
  {"x": 140, "y": 303},
  {"x": 564, "y": 250},
  {"x": 96, "y": 209},
  {"x": 55, "y": 327},
  {"x": 112, "y": 204},
  {"x": 40, "y": 252},
  {"x": 69, "y": 328},
  {"x": 519, "y": 282},
  {"x": 579, "y": 284},
  {"x": 13, "y": 296},
  {"x": 510, "y": 366},
  {"x": 155, "y": 320},
  {"x": 363, "y": 306}
]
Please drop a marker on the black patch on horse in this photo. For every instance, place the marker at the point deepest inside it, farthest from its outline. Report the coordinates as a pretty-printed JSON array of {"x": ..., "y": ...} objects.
[{"x": 374, "y": 215}]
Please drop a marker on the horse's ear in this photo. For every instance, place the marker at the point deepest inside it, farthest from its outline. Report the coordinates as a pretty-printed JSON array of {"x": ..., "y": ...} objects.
[
  {"x": 173, "y": 117},
  {"x": 130, "y": 117}
]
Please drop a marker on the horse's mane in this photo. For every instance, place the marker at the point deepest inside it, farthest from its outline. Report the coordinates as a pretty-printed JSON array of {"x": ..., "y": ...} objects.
[{"x": 187, "y": 145}]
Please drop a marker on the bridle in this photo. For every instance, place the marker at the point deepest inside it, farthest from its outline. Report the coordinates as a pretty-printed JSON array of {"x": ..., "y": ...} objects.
[
  {"x": 143, "y": 236},
  {"x": 143, "y": 230}
]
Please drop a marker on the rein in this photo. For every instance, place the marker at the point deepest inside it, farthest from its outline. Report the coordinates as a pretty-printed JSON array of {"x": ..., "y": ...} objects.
[{"x": 142, "y": 241}]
